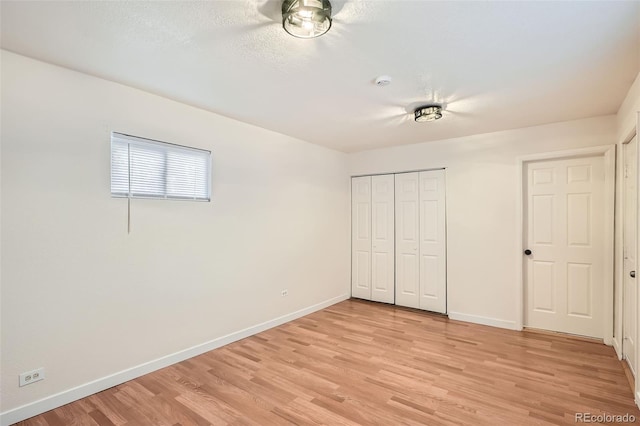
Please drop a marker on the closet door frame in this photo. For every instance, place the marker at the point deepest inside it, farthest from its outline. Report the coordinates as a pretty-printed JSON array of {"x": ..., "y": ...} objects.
[{"x": 444, "y": 272}]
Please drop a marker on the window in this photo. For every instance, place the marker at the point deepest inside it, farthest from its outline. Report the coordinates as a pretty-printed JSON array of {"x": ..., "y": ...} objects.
[{"x": 144, "y": 168}]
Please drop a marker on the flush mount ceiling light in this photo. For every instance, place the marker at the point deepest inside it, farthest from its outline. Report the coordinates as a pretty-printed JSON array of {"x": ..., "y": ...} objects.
[
  {"x": 306, "y": 18},
  {"x": 428, "y": 113}
]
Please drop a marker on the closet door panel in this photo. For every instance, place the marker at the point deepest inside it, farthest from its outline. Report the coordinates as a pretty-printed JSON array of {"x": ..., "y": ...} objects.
[
  {"x": 361, "y": 237},
  {"x": 382, "y": 219},
  {"x": 407, "y": 239},
  {"x": 432, "y": 245}
]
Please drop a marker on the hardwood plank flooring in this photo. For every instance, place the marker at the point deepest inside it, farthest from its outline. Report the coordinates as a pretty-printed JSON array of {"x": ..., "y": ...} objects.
[{"x": 363, "y": 363}]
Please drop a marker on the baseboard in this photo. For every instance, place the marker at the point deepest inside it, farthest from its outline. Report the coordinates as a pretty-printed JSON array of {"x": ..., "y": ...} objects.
[
  {"x": 476, "y": 319},
  {"x": 49, "y": 403},
  {"x": 616, "y": 347}
]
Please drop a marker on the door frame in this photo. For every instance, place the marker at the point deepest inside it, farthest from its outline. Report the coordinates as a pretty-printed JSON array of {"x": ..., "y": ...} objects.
[
  {"x": 621, "y": 273},
  {"x": 619, "y": 258},
  {"x": 608, "y": 152},
  {"x": 446, "y": 226}
]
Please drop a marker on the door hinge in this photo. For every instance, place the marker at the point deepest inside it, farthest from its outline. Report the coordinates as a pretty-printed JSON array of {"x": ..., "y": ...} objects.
[{"x": 626, "y": 171}]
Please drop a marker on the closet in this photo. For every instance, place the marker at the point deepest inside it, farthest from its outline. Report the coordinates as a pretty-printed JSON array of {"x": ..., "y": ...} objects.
[{"x": 399, "y": 239}]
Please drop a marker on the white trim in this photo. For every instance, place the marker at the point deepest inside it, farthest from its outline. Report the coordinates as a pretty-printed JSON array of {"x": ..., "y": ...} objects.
[
  {"x": 608, "y": 152},
  {"x": 619, "y": 248},
  {"x": 579, "y": 152},
  {"x": 477, "y": 319},
  {"x": 49, "y": 403},
  {"x": 399, "y": 173},
  {"x": 637, "y": 353},
  {"x": 620, "y": 272},
  {"x": 609, "y": 241},
  {"x": 617, "y": 347},
  {"x": 520, "y": 246}
]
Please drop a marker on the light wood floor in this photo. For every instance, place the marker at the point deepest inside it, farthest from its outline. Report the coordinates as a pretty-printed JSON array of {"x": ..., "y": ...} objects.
[{"x": 366, "y": 363}]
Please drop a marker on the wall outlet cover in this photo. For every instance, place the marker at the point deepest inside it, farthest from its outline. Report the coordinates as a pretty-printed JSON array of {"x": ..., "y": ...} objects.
[{"x": 32, "y": 376}]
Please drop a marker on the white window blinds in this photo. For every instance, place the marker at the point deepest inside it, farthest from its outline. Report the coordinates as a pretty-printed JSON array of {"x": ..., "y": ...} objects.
[{"x": 144, "y": 168}]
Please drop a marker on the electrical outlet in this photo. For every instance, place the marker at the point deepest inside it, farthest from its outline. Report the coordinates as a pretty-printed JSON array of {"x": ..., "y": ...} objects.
[
  {"x": 31, "y": 376},
  {"x": 285, "y": 292}
]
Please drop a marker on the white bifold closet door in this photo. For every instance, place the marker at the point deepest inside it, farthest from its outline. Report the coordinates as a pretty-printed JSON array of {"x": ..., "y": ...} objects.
[
  {"x": 361, "y": 237},
  {"x": 382, "y": 232},
  {"x": 372, "y": 228},
  {"x": 421, "y": 240}
]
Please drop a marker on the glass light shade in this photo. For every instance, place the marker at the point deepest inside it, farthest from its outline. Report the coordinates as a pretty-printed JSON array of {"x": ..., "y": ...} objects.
[
  {"x": 306, "y": 18},
  {"x": 428, "y": 113}
]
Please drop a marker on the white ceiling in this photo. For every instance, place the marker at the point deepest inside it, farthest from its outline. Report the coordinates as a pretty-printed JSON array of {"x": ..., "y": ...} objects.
[{"x": 493, "y": 65}]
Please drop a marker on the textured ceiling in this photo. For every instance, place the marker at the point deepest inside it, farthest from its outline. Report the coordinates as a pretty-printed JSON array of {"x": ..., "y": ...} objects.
[{"x": 493, "y": 65}]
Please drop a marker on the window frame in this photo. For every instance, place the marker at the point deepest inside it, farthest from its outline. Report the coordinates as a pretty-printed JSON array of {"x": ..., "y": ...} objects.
[{"x": 165, "y": 148}]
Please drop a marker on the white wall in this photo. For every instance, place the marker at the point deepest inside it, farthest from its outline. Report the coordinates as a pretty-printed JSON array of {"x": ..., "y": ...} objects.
[
  {"x": 82, "y": 298},
  {"x": 482, "y": 201}
]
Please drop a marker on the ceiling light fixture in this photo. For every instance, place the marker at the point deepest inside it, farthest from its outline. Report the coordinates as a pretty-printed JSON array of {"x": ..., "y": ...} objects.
[
  {"x": 428, "y": 113},
  {"x": 306, "y": 18}
]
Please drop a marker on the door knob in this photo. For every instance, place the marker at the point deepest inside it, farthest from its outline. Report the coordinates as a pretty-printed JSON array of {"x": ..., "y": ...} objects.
[
  {"x": 527, "y": 252},
  {"x": 632, "y": 274}
]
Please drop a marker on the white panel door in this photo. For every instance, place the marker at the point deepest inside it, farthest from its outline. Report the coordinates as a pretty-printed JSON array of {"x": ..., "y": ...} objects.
[
  {"x": 407, "y": 240},
  {"x": 432, "y": 249},
  {"x": 564, "y": 274},
  {"x": 382, "y": 254},
  {"x": 629, "y": 294},
  {"x": 361, "y": 237}
]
